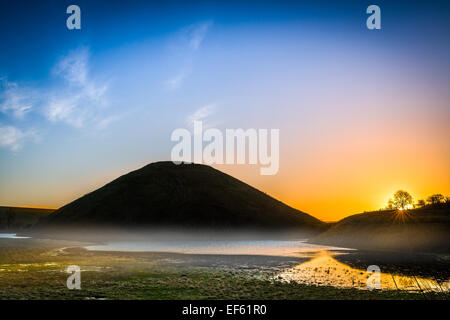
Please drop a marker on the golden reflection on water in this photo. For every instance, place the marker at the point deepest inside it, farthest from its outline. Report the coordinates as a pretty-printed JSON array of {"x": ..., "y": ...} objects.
[{"x": 324, "y": 270}]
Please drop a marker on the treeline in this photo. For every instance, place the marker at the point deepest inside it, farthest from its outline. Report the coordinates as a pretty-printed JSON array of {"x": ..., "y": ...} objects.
[{"x": 402, "y": 200}]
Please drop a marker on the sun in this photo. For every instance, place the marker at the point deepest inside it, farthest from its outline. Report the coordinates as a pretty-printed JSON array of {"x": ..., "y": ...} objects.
[{"x": 407, "y": 207}]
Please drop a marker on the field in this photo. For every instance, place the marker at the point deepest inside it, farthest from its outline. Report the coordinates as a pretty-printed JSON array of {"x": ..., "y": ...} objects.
[{"x": 36, "y": 269}]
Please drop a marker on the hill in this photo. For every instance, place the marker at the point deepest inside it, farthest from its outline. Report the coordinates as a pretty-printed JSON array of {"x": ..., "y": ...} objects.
[
  {"x": 21, "y": 218},
  {"x": 426, "y": 229},
  {"x": 187, "y": 195}
]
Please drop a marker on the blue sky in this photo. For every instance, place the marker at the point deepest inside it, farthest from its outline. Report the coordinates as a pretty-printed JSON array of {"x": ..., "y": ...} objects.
[{"x": 80, "y": 107}]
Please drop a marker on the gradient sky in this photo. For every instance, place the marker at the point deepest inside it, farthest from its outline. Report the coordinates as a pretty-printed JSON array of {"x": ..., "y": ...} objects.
[{"x": 361, "y": 113}]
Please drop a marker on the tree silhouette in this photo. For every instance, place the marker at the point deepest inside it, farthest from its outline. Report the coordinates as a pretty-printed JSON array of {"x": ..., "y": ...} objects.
[
  {"x": 421, "y": 203},
  {"x": 447, "y": 200},
  {"x": 435, "y": 199},
  {"x": 402, "y": 199}
]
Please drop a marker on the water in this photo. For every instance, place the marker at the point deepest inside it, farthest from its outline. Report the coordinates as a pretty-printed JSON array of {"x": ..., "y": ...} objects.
[
  {"x": 11, "y": 236},
  {"x": 317, "y": 264},
  {"x": 324, "y": 269}
]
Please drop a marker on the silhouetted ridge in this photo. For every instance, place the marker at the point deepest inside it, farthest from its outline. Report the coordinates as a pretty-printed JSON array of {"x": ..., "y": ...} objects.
[
  {"x": 186, "y": 195},
  {"x": 423, "y": 229}
]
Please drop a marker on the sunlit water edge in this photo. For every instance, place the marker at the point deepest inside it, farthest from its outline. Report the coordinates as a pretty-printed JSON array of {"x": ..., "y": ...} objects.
[
  {"x": 324, "y": 270},
  {"x": 320, "y": 268},
  {"x": 11, "y": 236}
]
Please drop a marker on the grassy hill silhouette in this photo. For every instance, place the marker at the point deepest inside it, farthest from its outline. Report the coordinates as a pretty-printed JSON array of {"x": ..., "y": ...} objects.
[
  {"x": 22, "y": 218},
  {"x": 186, "y": 195},
  {"x": 424, "y": 229}
]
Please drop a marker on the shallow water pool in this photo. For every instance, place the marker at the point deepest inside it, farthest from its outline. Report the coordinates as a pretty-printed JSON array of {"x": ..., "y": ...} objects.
[{"x": 11, "y": 236}]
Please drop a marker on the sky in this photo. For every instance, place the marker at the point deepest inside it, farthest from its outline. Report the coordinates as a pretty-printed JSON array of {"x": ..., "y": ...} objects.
[{"x": 361, "y": 113}]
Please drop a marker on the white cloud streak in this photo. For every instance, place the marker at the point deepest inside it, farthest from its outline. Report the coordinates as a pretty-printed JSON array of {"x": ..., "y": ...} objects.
[
  {"x": 203, "y": 114},
  {"x": 106, "y": 122},
  {"x": 196, "y": 34},
  {"x": 83, "y": 98},
  {"x": 192, "y": 37},
  {"x": 12, "y": 138},
  {"x": 176, "y": 81},
  {"x": 15, "y": 100},
  {"x": 78, "y": 101}
]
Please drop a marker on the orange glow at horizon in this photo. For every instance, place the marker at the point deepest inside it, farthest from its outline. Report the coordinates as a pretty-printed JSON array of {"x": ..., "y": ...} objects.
[
  {"x": 327, "y": 199},
  {"x": 352, "y": 170},
  {"x": 332, "y": 180}
]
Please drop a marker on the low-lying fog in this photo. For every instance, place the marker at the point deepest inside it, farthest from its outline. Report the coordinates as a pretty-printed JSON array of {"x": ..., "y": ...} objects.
[
  {"x": 291, "y": 254},
  {"x": 285, "y": 248},
  {"x": 108, "y": 235}
]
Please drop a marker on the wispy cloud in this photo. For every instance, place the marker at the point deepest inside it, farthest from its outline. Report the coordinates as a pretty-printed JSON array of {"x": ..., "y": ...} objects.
[
  {"x": 67, "y": 110},
  {"x": 203, "y": 114},
  {"x": 106, "y": 122},
  {"x": 13, "y": 138},
  {"x": 189, "y": 41},
  {"x": 79, "y": 100},
  {"x": 196, "y": 33},
  {"x": 74, "y": 67},
  {"x": 14, "y": 100},
  {"x": 83, "y": 97},
  {"x": 176, "y": 81}
]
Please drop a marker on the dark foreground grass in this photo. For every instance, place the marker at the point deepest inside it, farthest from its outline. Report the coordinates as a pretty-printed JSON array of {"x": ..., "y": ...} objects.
[{"x": 36, "y": 270}]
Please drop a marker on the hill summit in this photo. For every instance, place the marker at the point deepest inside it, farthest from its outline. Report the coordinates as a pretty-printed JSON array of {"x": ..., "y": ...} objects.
[{"x": 186, "y": 195}]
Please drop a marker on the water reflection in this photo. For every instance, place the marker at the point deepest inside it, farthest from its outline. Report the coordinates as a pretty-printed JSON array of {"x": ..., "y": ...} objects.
[
  {"x": 324, "y": 270},
  {"x": 11, "y": 236}
]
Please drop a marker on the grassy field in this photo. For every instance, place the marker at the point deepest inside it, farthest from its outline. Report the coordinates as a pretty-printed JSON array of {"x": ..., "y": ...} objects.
[
  {"x": 31, "y": 269},
  {"x": 36, "y": 269}
]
